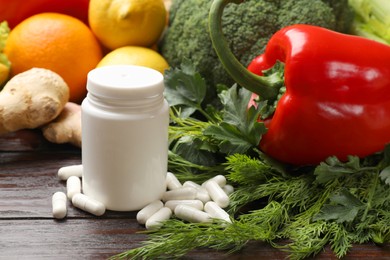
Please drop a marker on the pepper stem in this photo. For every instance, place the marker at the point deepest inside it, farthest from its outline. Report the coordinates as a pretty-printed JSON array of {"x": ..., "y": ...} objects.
[{"x": 266, "y": 88}]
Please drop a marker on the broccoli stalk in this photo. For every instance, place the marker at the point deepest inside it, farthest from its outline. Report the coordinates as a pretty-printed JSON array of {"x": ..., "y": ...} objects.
[{"x": 372, "y": 19}]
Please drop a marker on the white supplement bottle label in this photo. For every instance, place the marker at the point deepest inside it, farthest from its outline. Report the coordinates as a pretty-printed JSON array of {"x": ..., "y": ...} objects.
[{"x": 125, "y": 121}]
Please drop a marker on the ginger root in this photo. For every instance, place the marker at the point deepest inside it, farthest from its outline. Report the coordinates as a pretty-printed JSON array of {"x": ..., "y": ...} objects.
[
  {"x": 31, "y": 99},
  {"x": 66, "y": 128}
]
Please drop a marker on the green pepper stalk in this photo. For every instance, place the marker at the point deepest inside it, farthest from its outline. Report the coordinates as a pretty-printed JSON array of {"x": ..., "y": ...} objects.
[{"x": 268, "y": 87}]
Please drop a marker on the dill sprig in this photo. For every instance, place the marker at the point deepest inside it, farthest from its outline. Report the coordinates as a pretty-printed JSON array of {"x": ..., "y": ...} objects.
[{"x": 176, "y": 238}]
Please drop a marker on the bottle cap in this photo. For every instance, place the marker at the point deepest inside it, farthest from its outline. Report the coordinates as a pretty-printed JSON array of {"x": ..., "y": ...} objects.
[{"x": 125, "y": 82}]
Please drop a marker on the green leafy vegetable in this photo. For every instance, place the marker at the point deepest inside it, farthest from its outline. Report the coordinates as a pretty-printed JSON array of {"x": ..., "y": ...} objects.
[
  {"x": 298, "y": 210},
  {"x": 332, "y": 168},
  {"x": 233, "y": 129},
  {"x": 244, "y": 170},
  {"x": 259, "y": 225},
  {"x": 185, "y": 88},
  {"x": 347, "y": 210},
  {"x": 344, "y": 207},
  {"x": 239, "y": 130}
]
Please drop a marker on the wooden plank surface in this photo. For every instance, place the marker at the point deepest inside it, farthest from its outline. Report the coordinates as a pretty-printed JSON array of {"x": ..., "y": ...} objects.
[{"x": 28, "y": 178}]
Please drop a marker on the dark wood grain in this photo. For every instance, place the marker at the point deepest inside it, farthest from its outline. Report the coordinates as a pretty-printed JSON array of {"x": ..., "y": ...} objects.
[{"x": 28, "y": 178}]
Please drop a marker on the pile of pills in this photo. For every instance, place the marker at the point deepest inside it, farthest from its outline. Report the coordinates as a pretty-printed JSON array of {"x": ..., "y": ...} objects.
[
  {"x": 72, "y": 176},
  {"x": 189, "y": 201}
]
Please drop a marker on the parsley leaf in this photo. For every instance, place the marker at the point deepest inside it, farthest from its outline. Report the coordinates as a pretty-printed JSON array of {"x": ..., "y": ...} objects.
[
  {"x": 343, "y": 207},
  {"x": 185, "y": 88},
  {"x": 332, "y": 169},
  {"x": 193, "y": 149},
  {"x": 240, "y": 129}
]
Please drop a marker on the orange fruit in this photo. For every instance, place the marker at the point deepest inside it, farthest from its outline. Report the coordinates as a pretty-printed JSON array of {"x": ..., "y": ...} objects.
[{"x": 57, "y": 42}]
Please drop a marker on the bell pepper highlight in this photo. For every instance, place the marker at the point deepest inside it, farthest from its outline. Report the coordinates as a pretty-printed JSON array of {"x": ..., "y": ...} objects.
[{"x": 337, "y": 97}]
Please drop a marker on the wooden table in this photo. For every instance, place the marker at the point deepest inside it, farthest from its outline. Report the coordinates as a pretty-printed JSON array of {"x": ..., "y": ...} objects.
[{"x": 28, "y": 178}]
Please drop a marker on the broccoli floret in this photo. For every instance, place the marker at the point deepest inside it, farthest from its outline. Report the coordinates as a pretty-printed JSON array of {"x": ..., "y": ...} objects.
[
  {"x": 247, "y": 27},
  {"x": 301, "y": 11},
  {"x": 344, "y": 15}
]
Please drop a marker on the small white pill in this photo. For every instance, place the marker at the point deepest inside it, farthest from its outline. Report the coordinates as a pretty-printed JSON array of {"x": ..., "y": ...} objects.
[
  {"x": 228, "y": 189},
  {"x": 192, "y": 203},
  {"x": 191, "y": 214},
  {"x": 217, "y": 194},
  {"x": 155, "y": 221},
  {"x": 219, "y": 179},
  {"x": 144, "y": 214},
  {"x": 216, "y": 211},
  {"x": 73, "y": 186},
  {"x": 172, "y": 182},
  {"x": 88, "y": 204},
  {"x": 74, "y": 170},
  {"x": 186, "y": 193},
  {"x": 59, "y": 205}
]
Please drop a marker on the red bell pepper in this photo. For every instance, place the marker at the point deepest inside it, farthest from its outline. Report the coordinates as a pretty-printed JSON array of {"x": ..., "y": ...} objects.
[
  {"x": 337, "y": 98},
  {"x": 15, "y": 11}
]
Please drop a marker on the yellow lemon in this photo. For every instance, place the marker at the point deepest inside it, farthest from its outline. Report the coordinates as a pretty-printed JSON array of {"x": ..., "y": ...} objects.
[
  {"x": 135, "y": 55},
  {"x": 118, "y": 23}
]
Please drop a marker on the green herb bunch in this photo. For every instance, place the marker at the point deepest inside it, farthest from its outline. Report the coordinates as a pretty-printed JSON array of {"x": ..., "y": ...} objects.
[{"x": 298, "y": 210}]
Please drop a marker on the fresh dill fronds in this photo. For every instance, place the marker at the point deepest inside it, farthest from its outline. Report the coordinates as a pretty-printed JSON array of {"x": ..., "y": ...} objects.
[
  {"x": 176, "y": 238},
  {"x": 293, "y": 192},
  {"x": 244, "y": 170},
  {"x": 295, "y": 208}
]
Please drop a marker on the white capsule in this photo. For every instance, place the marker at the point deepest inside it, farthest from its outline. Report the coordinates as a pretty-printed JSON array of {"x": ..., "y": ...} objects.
[
  {"x": 191, "y": 214},
  {"x": 59, "y": 205},
  {"x": 191, "y": 184},
  {"x": 202, "y": 195},
  {"x": 192, "y": 203},
  {"x": 155, "y": 221},
  {"x": 74, "y": 170},
  {"x": 217, "y": 194},
  {"x": 216, "y": 211},
  {"x": 172, "y": 182},
  {"x": 144, "y": 214},
  {"x": 228, "y": 189},
  {"x": 73, "y": 186},
  {"x": 88, "y": 204},
  {"x": 219, "y": 179},
  {"x": 186, "y": 193}
]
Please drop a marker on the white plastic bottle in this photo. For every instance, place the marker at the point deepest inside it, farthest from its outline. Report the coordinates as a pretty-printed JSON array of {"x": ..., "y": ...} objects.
[{"x": 125, "y": 122}]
